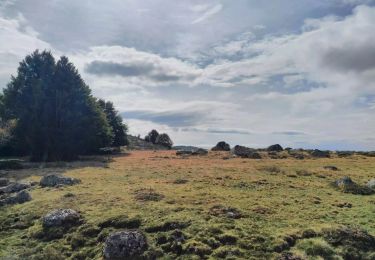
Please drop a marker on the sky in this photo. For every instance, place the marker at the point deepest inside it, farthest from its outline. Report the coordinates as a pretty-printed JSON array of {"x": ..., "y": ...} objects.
[{"x": 300, "y": 73}]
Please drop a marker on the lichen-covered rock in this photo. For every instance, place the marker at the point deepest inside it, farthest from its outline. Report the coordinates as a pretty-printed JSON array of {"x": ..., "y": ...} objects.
[
  {"x": 124, "y": 245},
  {"x": 221, "y": 146},
  {"x": 345, "y": 181},
  {"x": 61, "y": 218},
  {"x": 246, "y": 152},
  {"x": 371, "y": 184},
  {"x": 54, "y": 180},
  {"x": 14, "y": 187},
  {"x": 19, "y": 198},
  {"x": 275, "y": 148},
  {"x": 346, "y": 185},
  {"x": 4, "y": 182}
]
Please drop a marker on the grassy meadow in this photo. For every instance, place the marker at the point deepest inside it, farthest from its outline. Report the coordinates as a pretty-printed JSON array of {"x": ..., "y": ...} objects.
[{"x": 222, "y": 207}]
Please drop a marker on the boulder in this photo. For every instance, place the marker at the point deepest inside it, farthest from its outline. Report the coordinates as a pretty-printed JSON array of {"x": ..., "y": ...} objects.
[
  {"x": 61, "y": 218},
  {"x": 4, "y": 182},
  {"x": 54, "y": 180},
  {"x": 200, "y": 151},
  {"x": 184, "y": 152},
  {"x": 371, "y": 184},
  {"x": 348, "y": 186},
  {"x": 14, "y": 187},
  {"x": 245, "y": 152},
  {"x": 345, "y": 181},
  {"x": 124, "y": 245},
  {"x": 320, "y": 154},
  {"x": 275, "y": 148},
  {"x": 221, "y": 146},
  {"x": 19, "y": 198}
]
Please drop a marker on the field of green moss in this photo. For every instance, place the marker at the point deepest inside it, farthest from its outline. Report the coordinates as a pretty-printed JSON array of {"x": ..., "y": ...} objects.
[{"x": 203, "y": 207}]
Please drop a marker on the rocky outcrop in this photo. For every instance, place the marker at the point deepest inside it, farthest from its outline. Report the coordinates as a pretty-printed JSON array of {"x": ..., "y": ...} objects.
[
  {"x": 19, "y": 198},
  {"x": 198, "y": 151},
  {"x": 320, "y": 154},
  {"x": 4, "y": 182},
  {"x": 14, "y": 187},
  {"x": 347, "y": 185},
  {"x": 275, "y": 148},
  {"x": 61, "y": 218},
  {"x": 124, "y": 245},
  {"x": 221, "y": 146},
  {"x": 54, "y": 180},
  {"x": 245, "y": 152}
]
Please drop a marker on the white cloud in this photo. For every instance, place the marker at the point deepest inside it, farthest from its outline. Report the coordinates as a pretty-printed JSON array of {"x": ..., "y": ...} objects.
[{"x": 209, "y": 13}]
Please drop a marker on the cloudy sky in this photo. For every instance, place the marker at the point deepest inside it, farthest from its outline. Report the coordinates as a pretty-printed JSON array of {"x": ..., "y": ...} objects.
[{"x": 296, "y": 72}]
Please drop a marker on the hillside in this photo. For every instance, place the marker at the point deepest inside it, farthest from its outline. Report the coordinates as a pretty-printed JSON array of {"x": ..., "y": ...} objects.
[{"x": 197, "y": 207}]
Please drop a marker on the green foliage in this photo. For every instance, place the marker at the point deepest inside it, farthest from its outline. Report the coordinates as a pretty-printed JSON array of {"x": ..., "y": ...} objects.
[
  {"x": 317, "y": 247},
  {"x": 57, "y": 117},
  {"x": 119, "y": 129},
  {"x": 152, "y": 136},
  {"x": 164, "y": 140}
]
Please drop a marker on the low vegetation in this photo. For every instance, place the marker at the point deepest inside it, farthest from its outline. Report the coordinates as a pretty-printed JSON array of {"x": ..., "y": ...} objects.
[{"x": 196, "y": 207}]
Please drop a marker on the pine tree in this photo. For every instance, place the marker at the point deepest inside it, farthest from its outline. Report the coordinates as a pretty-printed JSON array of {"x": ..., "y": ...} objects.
[
  {"x": 119, "y": 129},
  {"x": 57, "y": 117}
]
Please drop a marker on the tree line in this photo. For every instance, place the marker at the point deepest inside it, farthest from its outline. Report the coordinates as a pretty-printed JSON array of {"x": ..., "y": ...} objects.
[{"x": 48, "y": 112}]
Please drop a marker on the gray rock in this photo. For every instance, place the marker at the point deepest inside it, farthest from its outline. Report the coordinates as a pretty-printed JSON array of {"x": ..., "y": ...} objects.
[
  {"x": 54, "y": 180},
  {"x": 345, "y": 181},
  {"x": 14, "y": 187},
  {"x": 200, "y": 151},
  {"x": 4, "y": 182},
  {"x": 221, "y": 146},
  {"x": 320, "y": 154},
  {"x": 19, "y": 198},
  {"x": 124, "y": 245},
  {"x": 331, "y": 168},
  {"x": 275, "y": 148},
  {"x": 61, "y": 218},
  {"x": 371, "y": 184},
  {"x": 184, "y": 152},
  {"x": 197, "y": 151},
  {"x": 246, "y": 152}
]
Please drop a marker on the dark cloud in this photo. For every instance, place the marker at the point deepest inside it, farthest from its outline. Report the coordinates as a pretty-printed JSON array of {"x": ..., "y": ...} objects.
[
  {"x": 217, "y": 130},
  {"x": 357, "y": 59},
  {"x": 102, "y": 68},
  {"x": 290, "y": 133},
  {"x": 169, "y": 118},
  {"x": 145, "y": 70}
]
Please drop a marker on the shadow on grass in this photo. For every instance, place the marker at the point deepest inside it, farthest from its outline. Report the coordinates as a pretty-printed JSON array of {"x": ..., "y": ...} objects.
[{"x": 45, "y": 168}]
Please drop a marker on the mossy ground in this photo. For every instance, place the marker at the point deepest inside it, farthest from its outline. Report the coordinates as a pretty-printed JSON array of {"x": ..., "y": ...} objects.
[{"x": 276, "y": 198}]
